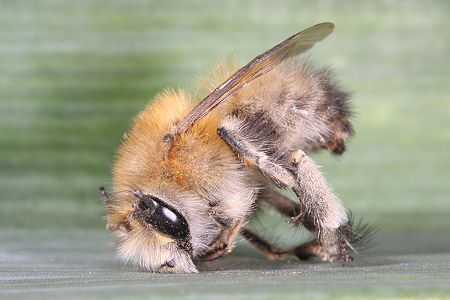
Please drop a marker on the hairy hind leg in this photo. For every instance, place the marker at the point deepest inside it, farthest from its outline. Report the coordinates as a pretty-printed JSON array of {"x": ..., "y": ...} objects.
[
  {"x": 289, "y": 208},
  {"x": 320, "y": 209},
  {"x": 224, "y": 243}
]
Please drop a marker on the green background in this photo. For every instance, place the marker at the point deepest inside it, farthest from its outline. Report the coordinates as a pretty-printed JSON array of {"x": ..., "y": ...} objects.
[{"x": 74, "y": 73}]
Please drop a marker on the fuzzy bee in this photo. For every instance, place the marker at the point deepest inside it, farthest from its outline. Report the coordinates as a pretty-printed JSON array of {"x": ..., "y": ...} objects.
[{"x": 187, "y": 178}]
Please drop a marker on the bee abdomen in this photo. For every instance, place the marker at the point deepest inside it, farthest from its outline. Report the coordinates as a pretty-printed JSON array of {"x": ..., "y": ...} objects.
[
  {"x": 335, "y": 108},
  {"x": 295, "y": 107},
  {"x": 319, "y": 111}
]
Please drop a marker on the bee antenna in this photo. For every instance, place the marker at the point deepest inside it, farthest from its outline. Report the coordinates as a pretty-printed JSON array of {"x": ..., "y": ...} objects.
[
  {"x": 138, "y": 194},
  {"x": 104, "y": 195},
  {"x": 145, "y": 207}
]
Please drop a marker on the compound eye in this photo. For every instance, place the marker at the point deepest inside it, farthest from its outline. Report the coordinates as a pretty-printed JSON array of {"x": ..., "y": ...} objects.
[
  {"x": 161, "y": 216},
  {"x": 169, "y": 221}
]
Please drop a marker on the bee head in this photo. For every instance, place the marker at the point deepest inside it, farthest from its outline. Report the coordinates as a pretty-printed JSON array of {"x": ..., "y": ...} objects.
[{"x": 152, "y": 234}]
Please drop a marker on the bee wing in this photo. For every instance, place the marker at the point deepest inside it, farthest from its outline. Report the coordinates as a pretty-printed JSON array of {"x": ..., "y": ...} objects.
[{"x": 259, "y": 66}]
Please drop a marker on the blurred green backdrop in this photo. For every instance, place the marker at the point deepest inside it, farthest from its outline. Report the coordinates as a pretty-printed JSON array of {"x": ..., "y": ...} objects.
[{"x": 74, "y": 73}]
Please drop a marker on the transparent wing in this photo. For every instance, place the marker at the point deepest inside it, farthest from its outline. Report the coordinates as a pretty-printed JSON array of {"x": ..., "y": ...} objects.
[{"x": 259, "y": 66}]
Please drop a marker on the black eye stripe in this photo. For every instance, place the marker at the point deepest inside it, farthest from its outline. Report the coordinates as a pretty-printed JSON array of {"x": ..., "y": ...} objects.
[{"x": 161, "y": 216}]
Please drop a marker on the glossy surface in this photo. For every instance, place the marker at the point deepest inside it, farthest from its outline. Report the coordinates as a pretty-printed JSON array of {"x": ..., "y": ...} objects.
[
  {"x": 160, "y": 216},
  {"x": 167, "y": 220}
]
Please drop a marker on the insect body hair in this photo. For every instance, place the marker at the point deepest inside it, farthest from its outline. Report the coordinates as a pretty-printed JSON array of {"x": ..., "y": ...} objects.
[
  {"x": 295, "y": 106},
  {"x": 293, "y": 109},
  {"x": 187, "y": 177},
  {"x": 197, "y": 174}
]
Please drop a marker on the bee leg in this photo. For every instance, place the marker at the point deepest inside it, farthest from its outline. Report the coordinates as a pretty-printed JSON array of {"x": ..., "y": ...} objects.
[
  {"x": 360, "y": 233},
  {"x": 270, "y": 251},
  {"x": 252, "y": 156},
  {"x": 283, "y": 204},
  {"x": 304, "y": 251},
  {"x": 224, "y": 243},
  {"x": 321, "y": 210},
  {"x": 291, "y": 209}
]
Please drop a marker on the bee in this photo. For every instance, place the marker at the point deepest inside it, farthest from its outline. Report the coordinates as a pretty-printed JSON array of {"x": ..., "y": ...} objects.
[{"x": 188, "y": 177}]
